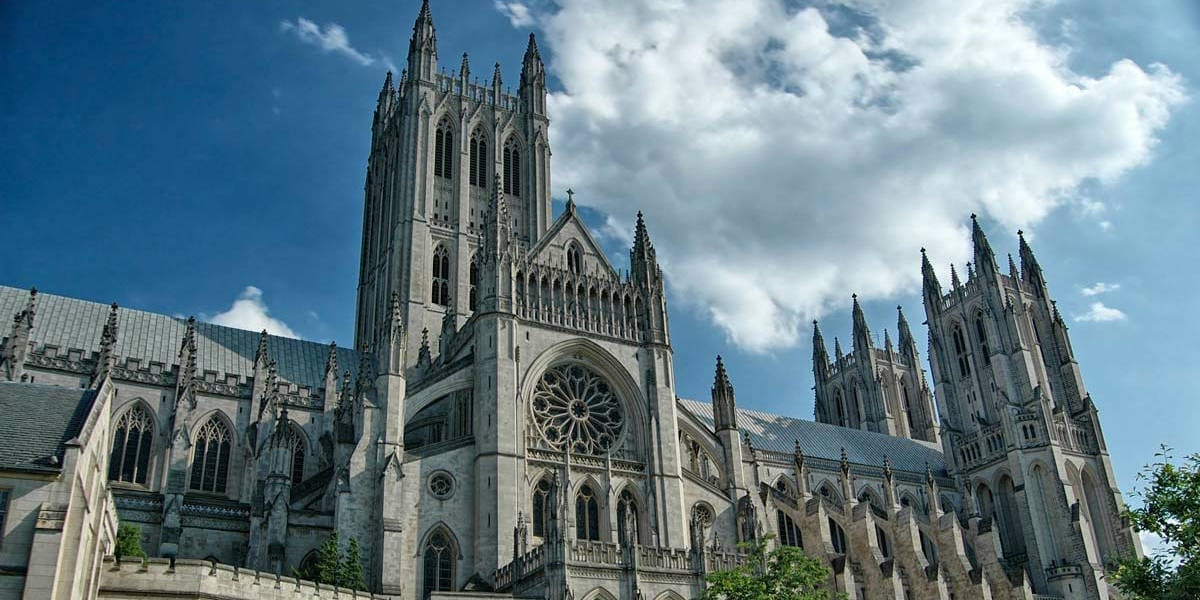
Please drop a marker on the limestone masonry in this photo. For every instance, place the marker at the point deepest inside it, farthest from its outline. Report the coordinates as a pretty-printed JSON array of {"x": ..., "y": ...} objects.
[{"x": 507, "y": 422}]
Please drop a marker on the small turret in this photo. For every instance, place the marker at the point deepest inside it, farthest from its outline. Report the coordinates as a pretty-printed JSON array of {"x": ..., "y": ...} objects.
[
  {"x": 837, "y": 350},
  {"x": 724, "y": 404},
  {"x": 955, "y": 282},
  {"x": 1031, "y": 271},
  {"x": 108, "y": 341},
  {"x": 533, "y": 79},
  {"x": 887, "y": 343},
  {"x": 820, "y": 355},
  {"x": 185, "y": 392},
  {"x": 643, "y": 262},
  {"x": 422, "y": 47},
  {"x": 862, "y": 334},
  {"x": 383, "y": 106},
  {"x": 907, "y": 342},
  {"x": 985, "y": 259},
  {"x": 16, "y": 347},
  {"x": 464, "y": 72},
  {"x": 497, "y": 85}
]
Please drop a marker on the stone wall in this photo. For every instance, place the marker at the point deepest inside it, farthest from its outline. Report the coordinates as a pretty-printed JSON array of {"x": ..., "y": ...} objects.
[{"x": 158, "y": 578}]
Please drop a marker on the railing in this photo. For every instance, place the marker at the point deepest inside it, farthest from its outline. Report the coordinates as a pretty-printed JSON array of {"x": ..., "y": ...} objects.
[
  {"x": 605, "y": 554},
  {"x": 982, "y": 447},
  {"x": 594, "y": 303}
]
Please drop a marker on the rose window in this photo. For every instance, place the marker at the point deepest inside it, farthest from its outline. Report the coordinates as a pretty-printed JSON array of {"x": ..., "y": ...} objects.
[{"x": 573, "y": 405}]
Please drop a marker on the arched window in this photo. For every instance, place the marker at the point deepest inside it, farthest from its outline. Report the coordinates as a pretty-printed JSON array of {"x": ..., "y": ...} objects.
[
  {"x": 840, "y": 403},
  {"x": 907, "y": 406},
  {"x": 512, "y": 167},
  {"x": 628, "y": 523},
  {"x": 132, "y": 438},
  {"x": 308, "y": 565},
  {"x": 296, "y": 442},
  {"x": 928, "y": 549},
  {"x": 441, "y": 276},
  {"x": 781, "y": 485},
  {"x": 479, "y": 159},
  {"x": 981, "y": 331},
  {"x": 574, "y": 260},
  {"x": 838, "y": 536},
  {"x": 473, "y": 281},
  {"x": 960, "y": 350},
  {"x": 789, "y": 534},
  {"x": 439, "y": 559},
  {"x": 541, "y": 508},
  {"x": 443, "y": 151},
  {"x": 210, "y": 457},
  {"x": 587, "y": 515}
]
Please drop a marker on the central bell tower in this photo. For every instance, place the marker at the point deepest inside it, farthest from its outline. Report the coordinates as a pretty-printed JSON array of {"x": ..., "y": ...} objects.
[{"x": 439, "y": 142}]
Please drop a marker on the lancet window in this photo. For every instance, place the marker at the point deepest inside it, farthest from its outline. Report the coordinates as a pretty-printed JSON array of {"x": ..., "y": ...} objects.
[
  {"x": 443, "y": 151},
  {"x": 132, "y": 441},
  {"x": 210, "y": 457}
]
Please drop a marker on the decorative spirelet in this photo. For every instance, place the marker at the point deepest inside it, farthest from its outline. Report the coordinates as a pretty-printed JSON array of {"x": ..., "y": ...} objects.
[{"x": 575, "y": 407}]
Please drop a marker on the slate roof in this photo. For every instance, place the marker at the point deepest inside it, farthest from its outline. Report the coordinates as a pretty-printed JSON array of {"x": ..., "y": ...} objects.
[
  {"x": 35, "y": 421},
  {"x": 776, "y": 433},
  {"x": 70, "y": 323}
]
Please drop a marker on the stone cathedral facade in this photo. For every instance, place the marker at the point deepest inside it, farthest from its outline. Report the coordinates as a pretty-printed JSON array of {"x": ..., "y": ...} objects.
[{"x": 507, "y": 423}]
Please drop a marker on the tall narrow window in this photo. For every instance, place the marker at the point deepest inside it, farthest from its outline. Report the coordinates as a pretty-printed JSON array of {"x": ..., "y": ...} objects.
[
  {"x": 839, "y": 403},
  {"x": 473, "y": 281},
  {"x": 132, "y": 437},
  {"x": 960, "y": 350},
  {"x": 928, "y": 549},
  {"x": 295, "y": 441},
  {"x": 210, "y": 457},
  {"x": 627, "y": 519},
  {"x": 587, "y": 515},
  {"x": 443, "y": 149},
  {"x": 838, "y": 536},
  {"x": 512, "y": 167},
  {"x": 574, "y": 260},
  {"x": 441, "y": 276},
  {"x": 983, "y": 341},
  {"x": 438, "y": 564},
  {"x": 907, "y": 407},
  {"x": 789, "y": 534},
  {"x": 479, "y": 159},
  {"x": 541, "y": 508},
  {"x": 881, "y": 539}
]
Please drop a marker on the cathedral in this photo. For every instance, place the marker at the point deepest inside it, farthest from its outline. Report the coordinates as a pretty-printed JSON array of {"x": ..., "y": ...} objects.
[{"x": 507, "y": 425}]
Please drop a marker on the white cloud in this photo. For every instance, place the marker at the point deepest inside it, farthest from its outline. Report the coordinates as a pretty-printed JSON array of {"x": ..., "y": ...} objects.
[
  {"x": 787, "y": 157},
  {"x": 331, "y": 38},
  {"x": 1100, "y": 288},
  {"x": 517, "y": 13},
  {"x": 1098, "y": 312},
  {"x": 1105, "y": 225},
  {"x": 250, "y": 312}
]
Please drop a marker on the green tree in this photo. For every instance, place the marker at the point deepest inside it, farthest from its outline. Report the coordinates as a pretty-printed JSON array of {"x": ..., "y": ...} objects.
[
  {"x": 1171, "y": 509},
  {"x": 329, "y": 562},
  {"x": 129, "y": 542},
  {"x": 350, "y": 574},
  {"x": 785, "y": 573}
]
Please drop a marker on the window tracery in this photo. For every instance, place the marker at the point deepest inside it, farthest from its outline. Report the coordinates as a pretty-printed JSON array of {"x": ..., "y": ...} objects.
[
  {"x": 479, "y": 159},
  {"x": 587, "y": 515},
  {"x": 438, "y": 563},
  {"x": 441, "y": 276},
  {"x": 574, "y": 407},
  {"x": 443, "y": 152},
  {"x": 512, "y": 167},
  {"x": 210, "y": 457},
  {"x": 132, "y": 440}
]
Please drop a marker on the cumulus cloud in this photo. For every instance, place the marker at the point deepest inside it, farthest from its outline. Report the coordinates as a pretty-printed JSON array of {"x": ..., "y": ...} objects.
[
  {"x": 249, "y": 311},
  {"x": 786, "y": 156},
  {"x": 517, "y": 13},
  {"x": 331, "y": 38},
  {"x": 1100, "y": 288},
  {"x": 1100, "y": 313}
]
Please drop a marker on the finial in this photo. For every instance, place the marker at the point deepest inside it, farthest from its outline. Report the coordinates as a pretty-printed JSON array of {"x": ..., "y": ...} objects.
[
  {"x": 570, "y": 200},
  {"x": 845, "y": 462}
]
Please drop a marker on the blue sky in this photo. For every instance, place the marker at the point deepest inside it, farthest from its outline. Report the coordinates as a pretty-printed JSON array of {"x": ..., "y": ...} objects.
[{"x": 169, "y": 155}]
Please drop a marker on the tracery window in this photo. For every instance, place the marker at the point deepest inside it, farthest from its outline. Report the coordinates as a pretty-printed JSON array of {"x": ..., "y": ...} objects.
[
  {"x": 627, "y": 514},
  {"x": 572, "y": 405},
  {"x": 838, "y": 536},
  {"x": 210, "y": 457},
  {"x": 296, "y": 442},
  {"x": 574, "y": 261},
  {"x": 132, "y": 440},
  {"x": 438, "y": 563},
  {"x": 479, "y": 159},
  {"x": 960, "y": 350},
  {"x": 789, "y": 534},
  {"x": 702, "y": 514},
  {"x": 840, "y": 403},
  {"x": 541, "y": 508},
  {"x": 512, "y": 167},
  {"x": 983, "y": 341},
  {"x": 443, "y": 150},
  {"x": 587, "y": 515},
  {"x": 441, "y": 276}
]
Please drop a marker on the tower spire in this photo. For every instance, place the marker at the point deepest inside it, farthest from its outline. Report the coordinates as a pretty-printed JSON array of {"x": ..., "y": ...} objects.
[
  {"x": 820, "y": 355},
  {"x": 643, "y": 262},
  {"x": 422, "y": 47},
  {"x": 862, "y": 334},
  {"x": 930, "y": 285},
  {"x": 1031, "y": 271},
  {"x": 955, "y": 282},
  {"x": 533, "y": 79},
  {"x": 985, "y": 259}
]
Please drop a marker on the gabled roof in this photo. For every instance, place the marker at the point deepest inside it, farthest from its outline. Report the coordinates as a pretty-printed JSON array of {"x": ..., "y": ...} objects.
[
  {"x": 37, "y": 421},
  {"x": 775, "y": 433},
  {"x": 570, "y": 226},
  {"x": 70, "y": 323}
]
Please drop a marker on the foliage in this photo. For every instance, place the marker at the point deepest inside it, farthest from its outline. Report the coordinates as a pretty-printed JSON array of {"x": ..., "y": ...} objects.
[
  {"x": 1170, "y": 509},
  {"x": 785, "y": 573},
  {"x": 129, "y": 542},
  {"x": 333, "y": 567}
]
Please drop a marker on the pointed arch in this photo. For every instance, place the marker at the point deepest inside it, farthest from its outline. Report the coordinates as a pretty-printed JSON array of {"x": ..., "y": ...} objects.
[
  {"x": 512, "y": 166},
  {"x": 960, "y": 349},
  {"x": 473, "y": 282},
  {"x": 211, "y": 449},
  {"x": 629, "y": 516},
  {"x": 826, "y": 490},
  {"x": 870, "y": 496},
  {"x": 783, "y": 484},
  {"x": 574, "y": 258},
  {"x": 587, "y": 510},
  {"x": 132, "y": 443},
  {"x": 443, "y": 149},
  {"x": 297, "y": 444},
  {"x": 440, "y": 553},
  {"x": 599, "y": 593},
  {"x": 541, "y": 500},
  {"x": 441, "y": 275},
  {"x": 478, "y": 150},
  {"x": 1093, "y": 505},
  {"x": 669, "y": 595}
]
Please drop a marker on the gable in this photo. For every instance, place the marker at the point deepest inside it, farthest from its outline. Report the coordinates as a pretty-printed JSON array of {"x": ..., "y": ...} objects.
[{"x": 567, "y": 230}]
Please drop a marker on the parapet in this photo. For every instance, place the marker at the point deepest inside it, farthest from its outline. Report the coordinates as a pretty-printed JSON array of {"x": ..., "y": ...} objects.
[{"x": 160, "y": 577}]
